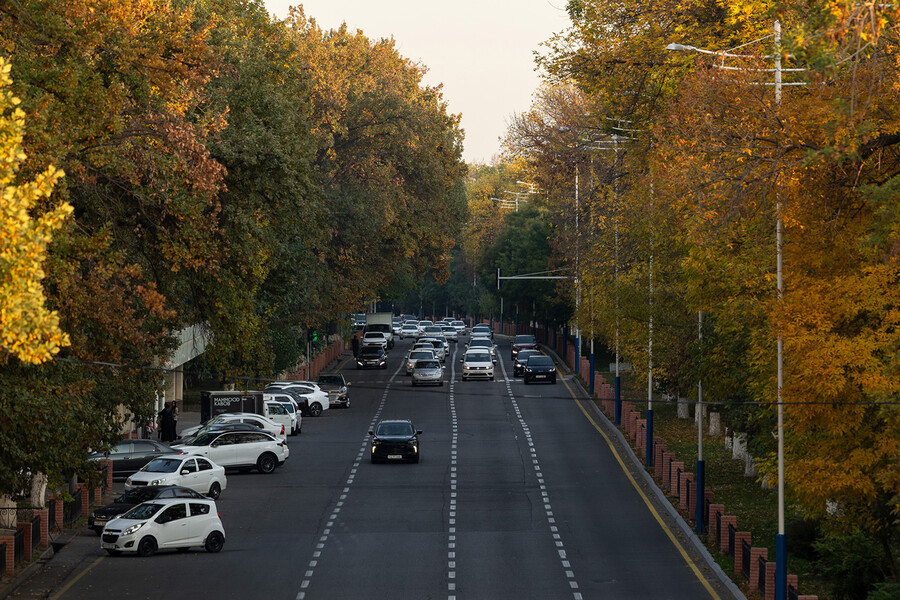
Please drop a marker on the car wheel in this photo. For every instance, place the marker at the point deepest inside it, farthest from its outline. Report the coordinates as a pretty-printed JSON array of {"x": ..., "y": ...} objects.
[
  {"x": 374, "y": 460},
  {"x": 214, "y": 542},
  {"x": 527, "y": 381},
  {"x": 112, "y": 552},
  {"x": 215, "y": 490},
  {"x": 147, "y": 546},
  {"x": 553, "y": 380},
  {"x": 266, "y": 463},
  {"x": 415, "y": 459},
  {"x": 315, "y": 409},
  {"x": 492, "y": 377},
  {"x": 347, "y": 404}
]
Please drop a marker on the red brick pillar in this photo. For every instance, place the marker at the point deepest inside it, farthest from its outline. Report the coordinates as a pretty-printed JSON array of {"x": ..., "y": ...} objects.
[
  {"x": 723, "y": 538},
  {"x": 714, "y": 509},
  {"x": 755, "y": 553},
  {"x": 56, "y": 517},
  {"x": 739, "y": 538},
  {"x": 673, "y": 477},
  {"x": 687, "y": 480},
  {"x": 770, "y": 580},
  {"x": 85, "y": 505},
  {"x": 640, "y": 432},
  {"x": 27, "y": 527},
  {"x": 109, "y": 474},
  {"x": 793, "y": 581},
  {"x": 668, "y": 458},
  {"x": 45, "y": 525},
  {"x": 658, "y": 459},
  {"x": 10, "y": 541}
]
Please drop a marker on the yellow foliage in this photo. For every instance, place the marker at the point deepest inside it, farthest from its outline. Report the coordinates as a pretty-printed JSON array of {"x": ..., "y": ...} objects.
[{"x": 28, "y": 331}]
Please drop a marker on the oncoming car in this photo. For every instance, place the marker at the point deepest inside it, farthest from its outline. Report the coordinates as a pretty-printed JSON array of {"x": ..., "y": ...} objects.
[
  {"x": 416, "y": 355},
  {"x": 162, "y": 524},
  {"x": 477, "y": 364},
  {"x": 540, "y": 368},
  {"x": 395, "y": 440},
  {"x": 428, "y": 371},
  {"x": 371, "y": 357}
]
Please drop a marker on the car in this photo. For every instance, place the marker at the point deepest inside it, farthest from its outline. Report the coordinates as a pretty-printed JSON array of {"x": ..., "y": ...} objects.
[
  {"x": 163, "y": 524},
  {"x": 291, "y": 405},
  {"x": 483, "y": 330},
  {"x": 374, "y": 338},
  {"x": 335, "y": 386},
  {"x": 485, "y": 343},
  {"x": 540, "y": 368},
  {"x": 396, "y": 324},
  {"x": 128, "y": 456},
  {"x": 395, "y": 440},
  {"x": 243, "y": 450},
  {"x": 221, "y": 427},
  {"x": 459, "y": 326},
  {"x": 521, "y": 342},
  {"x": 100, "y": 516},
  {"x": 450, "y": 333},
  {"x": 195, "y": 472},
  {"x": 312, "y": 400},
  {"x": 409, "y": 330},
  {"x": 440, "y": 352},
  {"x": 417, "y": 354},
  {"x": 432, "y": 331},
  {"x": 423, "y": 324},
  {"x": 477, "y": 364},
  {"x": 371, "y": 357},
  {"x": 428, "y": 371},
  {"x": 259, "y": 422},
  {"x": 521, "y": 359}
]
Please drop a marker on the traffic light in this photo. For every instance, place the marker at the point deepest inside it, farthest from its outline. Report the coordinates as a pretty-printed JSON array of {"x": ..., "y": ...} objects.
[{"x": 312, "y": 335}]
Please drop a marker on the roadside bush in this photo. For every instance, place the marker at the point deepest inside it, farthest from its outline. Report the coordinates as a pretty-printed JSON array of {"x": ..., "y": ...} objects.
[{"x": 852, "y": 563}]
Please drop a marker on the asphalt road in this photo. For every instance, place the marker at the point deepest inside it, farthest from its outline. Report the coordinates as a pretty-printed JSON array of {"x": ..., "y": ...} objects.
[{"x": 517, "y": 496}]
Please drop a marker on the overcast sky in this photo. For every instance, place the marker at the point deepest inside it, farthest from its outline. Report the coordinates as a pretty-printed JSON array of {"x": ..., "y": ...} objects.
[{"x": 481, "y": 51}]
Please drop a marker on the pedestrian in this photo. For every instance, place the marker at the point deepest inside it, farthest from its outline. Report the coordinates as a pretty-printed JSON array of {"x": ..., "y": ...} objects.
[
  {"x": 355, "y": 345},
  {"x": 175, "y": 417},
  {"x": 166, "y": 424}
]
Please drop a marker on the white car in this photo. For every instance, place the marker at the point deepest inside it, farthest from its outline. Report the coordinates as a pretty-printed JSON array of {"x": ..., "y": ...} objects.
[
  {"x": 416, "y": 355},
  {"x": 195, "y": 472},
  {"x": 396, "y": 325},
  {"x": 459, "y": 326},
  {"x": 374, "y": 338},
  {"x": 313, "y": 401},
  {"x": 482, "y": 330},
  {"x": 409, "y": 330},
  {"x": 423, "y": 324},
  {"x": 477, "y": 364},
  {"x": 242, "y": 450},
  {"x": 485, "y": 343},
  {"x": 292, "y": 406},
  {"x": 440, "y": 352},
  {"x": 165, "y": 523},
  {"x": 264, "y": 424},
  {"x": 450, "y": 333}
]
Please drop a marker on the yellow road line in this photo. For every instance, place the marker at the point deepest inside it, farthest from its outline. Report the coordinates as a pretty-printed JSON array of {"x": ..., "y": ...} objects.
[
  {"x": 66, "y": 587},
  {"x": 643, "y": 496}
]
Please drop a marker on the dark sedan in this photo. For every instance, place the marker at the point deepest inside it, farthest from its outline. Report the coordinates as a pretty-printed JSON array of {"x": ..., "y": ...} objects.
[
  {"x": 540, "y": 368},
  {"x": 371, "y": 357},
  {"x": 521, "y": 359},
  {"x": 128, "y": 456},
  {"x": 523, "y": 342},
  {"x": 100, "y": 516},
  {"x": 395, "y": 441}
]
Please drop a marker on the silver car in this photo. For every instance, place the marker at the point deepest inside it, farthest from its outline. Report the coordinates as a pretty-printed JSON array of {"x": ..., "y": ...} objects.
[
  {"x": 450, "y": 333},
  {"x": 417, "y": 354},
  {"x": 428, "y": 371}
]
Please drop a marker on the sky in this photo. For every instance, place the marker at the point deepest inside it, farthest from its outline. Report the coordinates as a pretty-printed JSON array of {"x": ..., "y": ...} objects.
[{"x": 481, "y": 51}]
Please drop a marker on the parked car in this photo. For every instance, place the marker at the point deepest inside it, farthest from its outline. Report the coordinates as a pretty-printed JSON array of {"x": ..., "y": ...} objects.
[
  {"x": 374, "y": 338},
  {"x": 195, "y": 472},
  {"x": 371, "y": 357},
  {"x": 417, "y": 354},
  {"x": 477, "y": 364},
  {"x": 291, "y": 405},
  {"x": 335, "y": 386},
  {"x": 312, "y": 400},
  {"x": 243, "y": 450},
  {"x": 162, "y": 524},
  {"x": 409, "y": 330},
  {"x": 260, "y": 422},
  {"x": 128, "y": 456},
  {"x": 395, "y": 440},
  {"x": 482, "y": 330},
  {"x": 540, "y": 368},
  {"x": 428, "y": 371},
  {"x": 124, "y": 502},
  {"x": 221, "y": 427},
  {"x": 521, "y": 359},
  {"x": 522, "y": 342}
]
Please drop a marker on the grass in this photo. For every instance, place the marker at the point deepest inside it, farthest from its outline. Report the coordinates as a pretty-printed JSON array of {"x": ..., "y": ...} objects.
[{"x": 756, "y": 508}]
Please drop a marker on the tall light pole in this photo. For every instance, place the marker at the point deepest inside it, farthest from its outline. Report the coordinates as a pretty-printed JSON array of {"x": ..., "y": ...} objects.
[{"x": 780, "y": 541}]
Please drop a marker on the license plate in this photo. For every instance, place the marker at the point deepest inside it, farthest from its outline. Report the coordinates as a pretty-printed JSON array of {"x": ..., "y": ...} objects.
[
  {"x": 395, "y": 456},
  {"x": 540, "y": 376}
]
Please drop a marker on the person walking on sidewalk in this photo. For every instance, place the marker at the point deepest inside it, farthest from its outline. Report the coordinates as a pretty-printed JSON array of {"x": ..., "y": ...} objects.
[{"x": 166, "y": 424}]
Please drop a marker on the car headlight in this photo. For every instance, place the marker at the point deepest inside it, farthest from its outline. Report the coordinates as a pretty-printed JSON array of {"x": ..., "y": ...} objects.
[
  {"x": 359, "y": 362},
  {"x": 157, "y": 482},
  {"x": 132, "y": 529}
]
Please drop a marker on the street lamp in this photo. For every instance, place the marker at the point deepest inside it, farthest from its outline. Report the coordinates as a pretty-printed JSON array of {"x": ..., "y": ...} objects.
[{"x": 780, "y": 542}]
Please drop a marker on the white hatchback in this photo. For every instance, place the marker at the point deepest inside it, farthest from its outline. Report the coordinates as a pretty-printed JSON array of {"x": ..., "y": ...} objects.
[
  {"x": 195, "y": 472},
  {"x": 165, "y": 523}
]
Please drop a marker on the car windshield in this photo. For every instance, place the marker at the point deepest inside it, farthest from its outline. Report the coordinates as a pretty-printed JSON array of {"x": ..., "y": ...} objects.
[
  {"x": 540, "y": 361},
  {"x": 524, "y": 354},
  {"x": 480, "y": 343},
  {"x": 428, "y": 364},
  {"x": 142, "y": 512},
  {"x": 524, "y": 339},
  {"x": 421, "y": 354},
  {"x": 331, "y": 379},
  {"x": 478, "y": 357},
  {"x": 137, "y": 495},
  {"x": 457, "y": 323},
  {"x": 162, "y": 465},
  {"x": 372, "y": 352},
  {"x": 374, "y": 335},
  {"x": 394, "y": 429}
]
